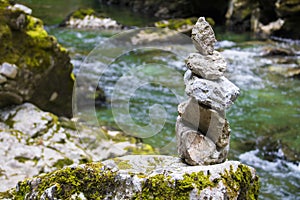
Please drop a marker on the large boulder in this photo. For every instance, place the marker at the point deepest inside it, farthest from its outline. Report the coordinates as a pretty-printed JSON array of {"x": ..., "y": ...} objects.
[
  {"x": 33, "y": 142},
  {"x": 33, "y": 66},
  {"x": 142, "y": 177}
]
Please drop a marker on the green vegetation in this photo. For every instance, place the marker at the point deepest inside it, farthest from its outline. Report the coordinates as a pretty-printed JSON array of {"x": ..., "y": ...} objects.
[
  {"x": 239, "y": 183},
  {"x": 81, "y": 13},
  {"x": 89, "y": 179}
]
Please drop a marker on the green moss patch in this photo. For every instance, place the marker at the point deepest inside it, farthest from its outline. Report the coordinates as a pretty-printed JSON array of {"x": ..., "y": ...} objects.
[
  {"x": 240, "y": 183},
  {"x": 176, "y": 24},
  {"x": 90, "y": 179},
  {"x": 164, "y": 187}
]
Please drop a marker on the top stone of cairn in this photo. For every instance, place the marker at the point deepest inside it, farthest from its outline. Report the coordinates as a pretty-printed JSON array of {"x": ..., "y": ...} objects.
[{"x": 203, "y": 37}]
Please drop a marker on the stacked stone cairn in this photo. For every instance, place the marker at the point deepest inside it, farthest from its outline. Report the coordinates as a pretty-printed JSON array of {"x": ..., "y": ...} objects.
[{"x": 202, "y": 131}]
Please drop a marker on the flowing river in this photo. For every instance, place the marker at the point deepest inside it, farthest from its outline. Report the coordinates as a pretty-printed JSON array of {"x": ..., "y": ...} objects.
[{"x": 264, "y": 120}]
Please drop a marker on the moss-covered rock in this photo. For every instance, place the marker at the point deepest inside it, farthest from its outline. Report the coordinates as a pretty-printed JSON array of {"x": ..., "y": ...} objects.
[
  {"x": 34, "y": 142},
  {"x": 142, "y": 177},
  {"x": 88, "y": 18},
  {"x": 43, "y": 66},
  {"x": 180, "y": 25}
]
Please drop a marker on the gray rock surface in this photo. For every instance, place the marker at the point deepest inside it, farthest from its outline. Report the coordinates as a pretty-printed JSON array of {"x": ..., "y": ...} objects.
[
  {"x": 209, "y": 122},
  {"x": 209, "y": 67},
  {"x": 195, "y": 148},
  {"x": 93, "y": 22},
  {"x": 203, "y": 37},
  {"x": 219, "y": 94},
  {"x": 144, "y": 177},
  {"x": 33, "y": 142}
]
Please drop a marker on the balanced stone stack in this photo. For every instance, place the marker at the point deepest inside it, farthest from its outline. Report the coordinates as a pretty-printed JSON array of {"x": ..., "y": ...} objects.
[{"x": 202, "y": 131}]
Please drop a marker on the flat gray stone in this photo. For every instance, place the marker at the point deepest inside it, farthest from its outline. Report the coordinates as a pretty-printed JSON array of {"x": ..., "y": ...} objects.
[
  {"x": 209, "y": 67},
  {"x": 219, "y": 94},
  {"x": 203, "y": 37}
]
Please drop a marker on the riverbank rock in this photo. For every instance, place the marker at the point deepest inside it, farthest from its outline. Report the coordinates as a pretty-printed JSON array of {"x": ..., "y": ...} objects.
[
  {"x": 33, "y": 66},
  {"x": 265, "y": 18},
  {"x": 142, "y": 177},
  {"x": 34, "y": 142},
  {"x": 89, "y": 19},
  {"x": 169, "y": 9}
]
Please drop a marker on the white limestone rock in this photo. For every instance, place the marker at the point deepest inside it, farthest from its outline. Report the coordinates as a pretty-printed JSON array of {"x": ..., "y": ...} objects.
[
  {"x": 9, "y": 70},
  {"x": 21, "y": 7},
  {"x": 219, "y": 94},
  {"x": 209, "y": 67},
  {"x": 203, "y": 37}
]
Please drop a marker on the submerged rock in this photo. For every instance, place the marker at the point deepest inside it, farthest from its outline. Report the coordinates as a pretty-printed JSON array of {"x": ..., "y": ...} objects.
[
  {"x": 142, "y": 177},
  {"x": 34, "y": 65},
  {"x": 34, "y": 142}
]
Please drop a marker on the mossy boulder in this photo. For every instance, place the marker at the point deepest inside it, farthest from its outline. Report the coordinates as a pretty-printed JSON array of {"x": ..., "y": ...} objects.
[
  {"x": 33, "y": 142},
  {"x": 142, "y": 177},
  {"x": 43, "y": 66}
]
